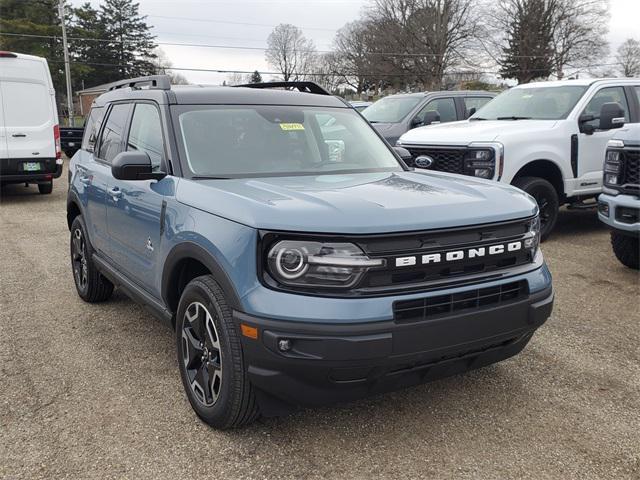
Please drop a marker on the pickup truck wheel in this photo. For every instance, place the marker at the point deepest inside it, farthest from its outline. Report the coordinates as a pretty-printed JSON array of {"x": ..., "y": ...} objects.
[
  {"x": 91, "y": 285},
  {"x": 627, "y": 249},
  {"x": 45, "y": 188},
  {"x": 547, "y": 199},
  {"x": 210, "y": 357}
]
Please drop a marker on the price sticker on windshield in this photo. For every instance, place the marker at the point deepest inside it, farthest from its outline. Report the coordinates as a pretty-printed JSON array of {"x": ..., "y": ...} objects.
[{"x": 289, "y": 127}]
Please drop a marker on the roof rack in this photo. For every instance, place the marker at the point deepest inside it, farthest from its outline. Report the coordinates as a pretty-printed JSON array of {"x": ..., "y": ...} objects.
[
  {"x": 161, "y": 82},
  {"x": 305, "y": 87}
]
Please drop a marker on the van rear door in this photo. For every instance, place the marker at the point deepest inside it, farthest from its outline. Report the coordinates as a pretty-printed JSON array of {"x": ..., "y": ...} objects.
[{"x": 29, "y": 119}]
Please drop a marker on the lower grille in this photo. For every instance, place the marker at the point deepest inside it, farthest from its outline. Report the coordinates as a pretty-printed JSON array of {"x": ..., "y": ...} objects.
[
  {"x": 410, "y": 311},
  {"x": 449, "y": 160}
]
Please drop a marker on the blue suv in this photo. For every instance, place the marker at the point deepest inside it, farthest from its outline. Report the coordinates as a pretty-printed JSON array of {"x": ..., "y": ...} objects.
[{"x": 297, "y": 257}]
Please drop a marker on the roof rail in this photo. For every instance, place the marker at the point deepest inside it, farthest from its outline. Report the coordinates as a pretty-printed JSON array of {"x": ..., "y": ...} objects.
[
  {"x": 161, "y": 82},
  {"x": 306, "y": 87}
]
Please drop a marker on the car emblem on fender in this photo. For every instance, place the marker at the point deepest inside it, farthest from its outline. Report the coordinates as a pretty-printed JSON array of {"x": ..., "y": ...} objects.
[{"x": 424, "y": 161}]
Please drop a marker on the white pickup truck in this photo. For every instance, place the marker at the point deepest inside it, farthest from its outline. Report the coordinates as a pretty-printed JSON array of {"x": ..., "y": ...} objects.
[{"x": 543, "y": 137}]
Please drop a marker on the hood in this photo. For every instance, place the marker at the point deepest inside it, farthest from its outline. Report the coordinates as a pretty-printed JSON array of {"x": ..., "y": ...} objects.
[
  {"x": 357, "y": 203},
  {"x": 465, "y": 132}
]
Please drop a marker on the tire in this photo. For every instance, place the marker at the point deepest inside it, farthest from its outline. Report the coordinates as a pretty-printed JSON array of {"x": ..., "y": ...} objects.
[
  {"x": 547, "y": 199},
  {"x": 91, "y": 285},
  {"x": 626, "y": 249},
  {"x": 205, "y": 328},
  {"x": 45, "y": 188}
]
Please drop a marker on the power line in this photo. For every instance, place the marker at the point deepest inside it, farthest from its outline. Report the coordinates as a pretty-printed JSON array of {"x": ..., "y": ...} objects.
[{"x": 206, "y": 20}]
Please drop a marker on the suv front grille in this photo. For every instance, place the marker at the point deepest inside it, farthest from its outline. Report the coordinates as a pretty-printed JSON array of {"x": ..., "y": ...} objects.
[
  {"x": 630, "y": 167},
  {"x": 449, "y": 160},
  {"x": 409, "y": 311}
]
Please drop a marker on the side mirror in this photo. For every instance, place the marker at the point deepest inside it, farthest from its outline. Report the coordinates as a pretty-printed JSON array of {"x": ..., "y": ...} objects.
[
  {"x": 416, "y": 122},
  {"x": 404, "y": 154},
  {"x": 134, "y": 165},
  {"x": 431, "y": 117},
  {"x": 611, "y": 116},
  {"x": 472, "y": 110},
  {"x": 585, "y": 127}
]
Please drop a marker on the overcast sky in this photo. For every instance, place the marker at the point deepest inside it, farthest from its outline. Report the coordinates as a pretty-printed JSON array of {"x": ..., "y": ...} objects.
[{"x": 247, "y": 23}]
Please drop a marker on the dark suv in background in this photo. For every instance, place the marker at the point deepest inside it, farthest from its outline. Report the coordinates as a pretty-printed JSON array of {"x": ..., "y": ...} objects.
[{"x": 396, "y": 114}]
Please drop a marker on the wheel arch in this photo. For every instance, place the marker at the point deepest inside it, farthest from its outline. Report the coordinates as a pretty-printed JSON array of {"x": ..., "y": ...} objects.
[
  {"x": 546, "y": 169},
  {"x": 73, "y": 210},
  {"x": 185, "y": 262}
]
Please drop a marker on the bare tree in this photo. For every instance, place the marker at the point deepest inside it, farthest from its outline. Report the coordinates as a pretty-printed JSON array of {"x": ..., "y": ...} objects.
[
  {"x": 290, "y": 52},
  {"x": 162, "y": 66},
  {"x": 353, "y": 58},
  {"x": 428, "y": 36},
  {"x": 236, "y": 79},
  {"x": 628, "y": 56},
  {"x": 579, "y": 33}
]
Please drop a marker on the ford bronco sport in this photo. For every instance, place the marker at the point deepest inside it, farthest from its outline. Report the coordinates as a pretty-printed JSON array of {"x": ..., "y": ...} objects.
[{"x": 299, "y": 260}]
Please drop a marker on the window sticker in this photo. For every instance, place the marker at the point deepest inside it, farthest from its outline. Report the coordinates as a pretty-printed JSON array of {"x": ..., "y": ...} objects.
[{"x": 288, "y": 127}]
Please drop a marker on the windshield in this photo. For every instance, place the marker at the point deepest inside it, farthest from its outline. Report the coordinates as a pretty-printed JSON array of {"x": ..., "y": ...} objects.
[
  {"x": 390, "y": 109},
  {"x": 266, "y": 140},
  {"x": 540, "y": 103}
]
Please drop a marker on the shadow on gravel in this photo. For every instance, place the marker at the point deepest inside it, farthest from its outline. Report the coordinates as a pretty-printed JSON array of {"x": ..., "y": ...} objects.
[
  {"x": 576, "y": 222},
  {"x": 18, "y": 193}
]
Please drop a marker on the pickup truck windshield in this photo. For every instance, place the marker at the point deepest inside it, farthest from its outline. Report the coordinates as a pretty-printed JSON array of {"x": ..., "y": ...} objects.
[
  {"x": 390, "y": 109},
  {"x": 538, "y": 103},
  {"x": 265, "y": 140}
]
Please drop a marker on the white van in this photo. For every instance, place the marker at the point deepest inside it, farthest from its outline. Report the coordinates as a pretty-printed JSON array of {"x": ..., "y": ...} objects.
[{"x": 29, "y": 133}]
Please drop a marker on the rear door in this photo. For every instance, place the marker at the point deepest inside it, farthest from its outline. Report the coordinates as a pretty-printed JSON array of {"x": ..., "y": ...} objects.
[
  {"x": 470, "y": 104},
  {"x": 29, "y": 119}
]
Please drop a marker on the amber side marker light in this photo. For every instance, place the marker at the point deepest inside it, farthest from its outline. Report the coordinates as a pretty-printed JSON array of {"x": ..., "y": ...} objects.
[{"x": 249, "y": 332}]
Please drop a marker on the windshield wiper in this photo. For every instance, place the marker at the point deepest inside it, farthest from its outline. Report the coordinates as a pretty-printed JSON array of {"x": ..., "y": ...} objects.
[
  {"x": 513, "y": 117},
  {"x": 477, "y": 118},
  {"x": 206, "y": 177}
]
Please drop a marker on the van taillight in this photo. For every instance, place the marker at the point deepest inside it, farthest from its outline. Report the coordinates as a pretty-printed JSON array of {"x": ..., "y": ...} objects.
[
  {"x": 4, "y": 54},
  {"x": 56, "y": 138}
]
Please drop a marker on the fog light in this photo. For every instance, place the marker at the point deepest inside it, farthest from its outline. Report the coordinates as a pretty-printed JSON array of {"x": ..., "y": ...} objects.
[
  {"x": 611, "y": 178},
  {"x": 483, "y": 173},
  {"x": 603, "y": 208},
  {"x": 284, "y": 345}
]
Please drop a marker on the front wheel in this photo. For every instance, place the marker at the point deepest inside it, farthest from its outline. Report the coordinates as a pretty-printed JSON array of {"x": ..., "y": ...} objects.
[
  {"x": 547, "y": 199},
  {"x": 210, "y": 357},
  {"x": 626, "y": 249}
]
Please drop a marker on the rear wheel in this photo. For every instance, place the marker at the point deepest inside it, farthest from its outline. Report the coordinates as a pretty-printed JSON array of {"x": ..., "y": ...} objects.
[
  {"x": 45, "y": 188},
  {"x": 91, "y": 285},
  {"x": 547, "y": 199},
  {"x": 626, "y": 249},
  {"x": 210, "y": 357}
]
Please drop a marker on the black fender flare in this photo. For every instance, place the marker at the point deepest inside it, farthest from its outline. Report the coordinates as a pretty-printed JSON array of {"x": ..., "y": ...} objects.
[
  {"x": 190, "y": 250},
  {"x": 73, "y": 199}
]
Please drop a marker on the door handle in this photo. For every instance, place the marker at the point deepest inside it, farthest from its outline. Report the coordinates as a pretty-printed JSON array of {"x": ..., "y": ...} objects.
[
  {"x": 18, "y": 135},
  {"x": 85, "y": 180},
  {"x": 115, "y": 193}
]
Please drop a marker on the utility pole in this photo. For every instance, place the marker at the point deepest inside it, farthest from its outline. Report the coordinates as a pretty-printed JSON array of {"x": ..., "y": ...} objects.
[{"x": 67, "y": 70}]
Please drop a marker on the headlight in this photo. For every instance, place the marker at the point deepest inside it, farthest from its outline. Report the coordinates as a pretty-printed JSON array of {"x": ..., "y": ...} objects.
[
  {"x": 612, "y": 167},
  {"x": 310, "y": 264},
  {"x": 532, "y": 241},
  {"x": 480, "y": 162}
]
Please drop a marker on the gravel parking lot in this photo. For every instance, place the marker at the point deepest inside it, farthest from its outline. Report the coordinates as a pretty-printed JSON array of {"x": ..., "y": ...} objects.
[{"x": 93, "y": 391}]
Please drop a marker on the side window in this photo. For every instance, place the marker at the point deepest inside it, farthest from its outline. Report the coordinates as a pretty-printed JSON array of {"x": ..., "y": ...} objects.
[
  {"x": 637, "y": 90},
  {"x": 145, "y": 133},
  {"x": 111, "y": 140},
  {"x": 444, "y": 107},
  {"x": 92, "y": 128},
  {"x": 474, "y": 102},
  {"x": 606, "y": 95}
]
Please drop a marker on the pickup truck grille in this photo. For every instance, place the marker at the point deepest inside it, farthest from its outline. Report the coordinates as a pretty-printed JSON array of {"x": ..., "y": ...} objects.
[
  {"x": 409, "y": 311},
  {"x": 449, "y": 160},
  {"x": 407, "y": 270},
  {"x": 630, "y": 167}
]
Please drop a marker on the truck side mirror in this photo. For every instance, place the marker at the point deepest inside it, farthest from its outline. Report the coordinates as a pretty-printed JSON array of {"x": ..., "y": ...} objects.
[
  {"x": 416, "y": 122},
  {"x": 472, "y": 110},
  {"x": 585, "y": 127},
  {"x": 135, "y": 165},
  {"x": 404, "y": 154},
  {"x": 611, "y": 116},
  {"x": 432, "y": 116}
]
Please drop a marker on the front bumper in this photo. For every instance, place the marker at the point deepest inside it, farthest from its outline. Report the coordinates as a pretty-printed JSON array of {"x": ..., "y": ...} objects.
[
  {"x": 329, "y": 363},
  {"x": 623, "y": 212}
]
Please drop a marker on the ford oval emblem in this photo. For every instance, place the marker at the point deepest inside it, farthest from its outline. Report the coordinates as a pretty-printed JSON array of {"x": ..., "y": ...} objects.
[{"x": 423, "y": 161}]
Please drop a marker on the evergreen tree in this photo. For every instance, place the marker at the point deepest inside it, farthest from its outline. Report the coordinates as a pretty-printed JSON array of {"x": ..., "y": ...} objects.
[
  {"x": 255, "y": 77},
  {"x": 87, "y": 46},
  {"x": 529, "y": 51},
  {"x": 130, "y": 47}
]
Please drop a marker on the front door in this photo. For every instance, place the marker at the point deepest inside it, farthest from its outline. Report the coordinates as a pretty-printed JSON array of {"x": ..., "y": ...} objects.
[
  {"x": 135, "y": 207},
  {"x": 591, "y": 148}
]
